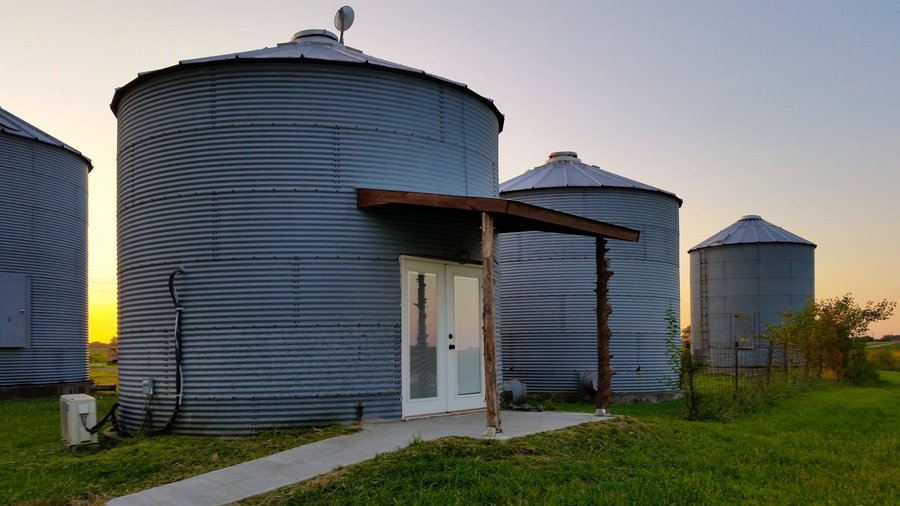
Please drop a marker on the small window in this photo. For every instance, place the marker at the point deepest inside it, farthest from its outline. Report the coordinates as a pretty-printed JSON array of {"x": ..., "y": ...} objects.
[{"x": 15, "y": 310}]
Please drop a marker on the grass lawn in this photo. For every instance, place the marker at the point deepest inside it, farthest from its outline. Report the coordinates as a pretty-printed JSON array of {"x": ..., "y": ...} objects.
[
  {"x": 838, "y": 445},
  {"x": 890, "y": 345},
  {"x": 36, "y": 469},
  {"x": 102, "y": 373}
]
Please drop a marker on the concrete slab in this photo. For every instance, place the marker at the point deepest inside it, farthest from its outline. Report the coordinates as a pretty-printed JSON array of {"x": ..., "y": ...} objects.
[{"x": 298, "y": 464}]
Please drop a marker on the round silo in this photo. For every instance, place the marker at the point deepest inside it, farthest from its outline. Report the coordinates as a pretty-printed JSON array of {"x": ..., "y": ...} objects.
[
  {"x": 742, "y": 279},
  {"x": 43, "y": 262},
  {"x": 548, "y": 302},
  {"x": 237, "y": 181}
]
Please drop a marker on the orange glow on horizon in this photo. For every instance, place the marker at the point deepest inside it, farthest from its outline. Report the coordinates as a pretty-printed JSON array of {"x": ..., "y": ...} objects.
[{"x": 102, "y": 317}]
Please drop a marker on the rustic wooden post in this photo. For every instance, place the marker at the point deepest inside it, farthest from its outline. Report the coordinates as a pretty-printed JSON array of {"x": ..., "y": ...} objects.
[
  {"x": 604, "y": 368},
  {"x": 492, "y": 400}
]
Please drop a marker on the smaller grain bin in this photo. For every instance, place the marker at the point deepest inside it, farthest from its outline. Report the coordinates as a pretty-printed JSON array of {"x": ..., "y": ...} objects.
[
  {"x": 742, "y": 279},
  {"x": 548, "y": 304},
  {"x": 43, "y": 262}
]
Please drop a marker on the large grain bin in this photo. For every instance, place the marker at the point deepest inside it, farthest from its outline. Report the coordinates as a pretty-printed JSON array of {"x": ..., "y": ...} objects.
[
  {"x": 237, "y": 189},
  {"x": 43, "y": 262},
  {"x": 548, "y": 304},
  {"x": 742, "y": 279}
]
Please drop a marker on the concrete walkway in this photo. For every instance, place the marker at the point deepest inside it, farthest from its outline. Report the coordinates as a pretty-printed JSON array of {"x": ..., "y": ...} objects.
[{"x": 263, "y": 475}]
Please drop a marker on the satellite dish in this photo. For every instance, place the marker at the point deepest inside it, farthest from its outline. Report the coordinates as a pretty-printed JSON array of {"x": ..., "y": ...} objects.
[{"x": 343, "y": 19}]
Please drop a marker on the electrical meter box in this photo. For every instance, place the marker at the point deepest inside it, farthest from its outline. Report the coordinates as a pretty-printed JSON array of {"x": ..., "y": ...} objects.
[{"x": 77, "y": 413}]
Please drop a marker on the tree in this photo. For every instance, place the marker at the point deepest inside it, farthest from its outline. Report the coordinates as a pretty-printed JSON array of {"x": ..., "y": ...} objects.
[{"x": 828, "y": 334}]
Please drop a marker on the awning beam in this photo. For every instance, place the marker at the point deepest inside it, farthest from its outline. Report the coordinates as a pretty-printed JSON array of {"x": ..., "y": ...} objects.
[{"x": 508, "y": 215}]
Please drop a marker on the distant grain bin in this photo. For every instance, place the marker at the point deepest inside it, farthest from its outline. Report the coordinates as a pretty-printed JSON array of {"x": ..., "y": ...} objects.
[
  {"x": 251, "y": 285},
  {"x": 43, "y": 262},
  {"x": 742, "y": 279},
  {"x": 548, "y": 305}
]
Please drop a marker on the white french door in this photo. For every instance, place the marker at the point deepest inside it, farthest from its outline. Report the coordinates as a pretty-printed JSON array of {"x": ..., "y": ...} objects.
[{"x": 442, "y": 353}]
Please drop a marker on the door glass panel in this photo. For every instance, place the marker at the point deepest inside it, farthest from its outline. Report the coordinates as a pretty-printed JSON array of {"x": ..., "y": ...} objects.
[
  {"x": 422, "y": 324},
  {"x": 467, "y": 338}
]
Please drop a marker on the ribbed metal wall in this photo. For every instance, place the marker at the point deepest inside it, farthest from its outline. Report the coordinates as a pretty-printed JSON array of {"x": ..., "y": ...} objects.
[
  {"x": 761, "y": 279},
  {"x": 548, "y": 298},
  {"x": 43, "y": 236},
  {"x": 245, "y": 175}
]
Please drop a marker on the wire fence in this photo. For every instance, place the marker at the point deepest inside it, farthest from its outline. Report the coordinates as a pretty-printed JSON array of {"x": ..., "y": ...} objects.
[{"x": 733, "y": 369}]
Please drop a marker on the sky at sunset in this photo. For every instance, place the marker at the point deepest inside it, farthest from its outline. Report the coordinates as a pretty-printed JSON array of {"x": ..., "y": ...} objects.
[{"x": 786, "y": 109}]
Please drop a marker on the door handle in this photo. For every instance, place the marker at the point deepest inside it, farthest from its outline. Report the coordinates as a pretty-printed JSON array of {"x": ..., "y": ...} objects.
[{"x": 452, "y": 346}]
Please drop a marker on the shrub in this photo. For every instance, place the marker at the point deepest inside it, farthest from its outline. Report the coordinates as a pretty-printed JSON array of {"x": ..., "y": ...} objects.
[
  {"x": 827, "y": 335},
  {"x": 885, "y": 360}
]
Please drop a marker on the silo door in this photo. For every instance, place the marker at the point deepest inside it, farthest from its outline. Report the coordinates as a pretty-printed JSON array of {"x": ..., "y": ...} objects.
[{"x": 442, "y": 356}]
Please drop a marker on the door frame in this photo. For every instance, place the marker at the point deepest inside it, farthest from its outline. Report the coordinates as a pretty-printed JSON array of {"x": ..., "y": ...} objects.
[{"x": 447, "y": 400}]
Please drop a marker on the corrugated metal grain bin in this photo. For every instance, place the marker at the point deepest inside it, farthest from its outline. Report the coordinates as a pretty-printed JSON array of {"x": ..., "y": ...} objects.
[
  {"x": 241, "y": 170},
  {"x": 742, "y": 279},
  {"x": 547, "y": 290},
  {"x": 43, "y": 261}
]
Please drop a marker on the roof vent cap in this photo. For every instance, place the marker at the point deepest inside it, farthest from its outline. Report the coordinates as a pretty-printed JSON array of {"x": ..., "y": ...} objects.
[
  {"x": 561, "y": 156},
  {"x": 315, "y": 35},
  {"x": 751, "y": 217}
]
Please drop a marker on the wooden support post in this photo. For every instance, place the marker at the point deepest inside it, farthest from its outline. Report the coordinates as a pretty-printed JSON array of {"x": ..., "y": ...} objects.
[
  {"x": 604, "y": 365},
  {"x": 492, "y": 399}
]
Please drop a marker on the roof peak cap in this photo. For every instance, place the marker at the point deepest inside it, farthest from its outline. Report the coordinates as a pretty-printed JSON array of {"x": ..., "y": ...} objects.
[
  {"x": 563, "y": 156},
  {"x": 319, "y": 35}
]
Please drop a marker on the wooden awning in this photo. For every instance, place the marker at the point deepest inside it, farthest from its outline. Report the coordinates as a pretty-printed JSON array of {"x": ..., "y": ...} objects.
[
  {"x": 502, "y": 215},
  {"x": 509, "y": 215}
]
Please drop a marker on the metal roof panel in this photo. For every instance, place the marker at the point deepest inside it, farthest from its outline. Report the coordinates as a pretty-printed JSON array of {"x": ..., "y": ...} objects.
[
  {"x": 308, "y": 46},
  {"x": 751, "y": 229},
  {"x": 563, "y": 169},
  {"x": 13, "y": 125}
]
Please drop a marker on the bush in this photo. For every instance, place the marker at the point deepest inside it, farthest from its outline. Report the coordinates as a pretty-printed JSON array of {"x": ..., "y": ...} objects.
[
  {"x": 885, "y": 360},
  {"x": 826, "y": 334}
]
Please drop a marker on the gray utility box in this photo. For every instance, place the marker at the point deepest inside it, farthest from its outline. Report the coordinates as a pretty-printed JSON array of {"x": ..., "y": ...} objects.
[{"x": 77, "y": 412}]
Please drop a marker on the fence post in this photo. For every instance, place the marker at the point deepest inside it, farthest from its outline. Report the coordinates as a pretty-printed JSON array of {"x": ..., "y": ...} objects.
[
  {"x": 769, "y": 366},
  {"x": 736, "y": 367},
  {"x": 688, "y": 367},
  {"x": 785, "y": 345}
]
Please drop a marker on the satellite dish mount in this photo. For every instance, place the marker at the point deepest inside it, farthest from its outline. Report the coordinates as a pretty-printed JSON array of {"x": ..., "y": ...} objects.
[{"x": 343, "y": 19}]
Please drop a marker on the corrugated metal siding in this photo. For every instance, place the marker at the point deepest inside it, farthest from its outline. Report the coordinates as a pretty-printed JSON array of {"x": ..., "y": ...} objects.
[
  {"x": 757, "y": 278},
  {"x": 43, "y": 235},
  {"x": 245, "y": 176},
  {"x": 548, "y": 299}
]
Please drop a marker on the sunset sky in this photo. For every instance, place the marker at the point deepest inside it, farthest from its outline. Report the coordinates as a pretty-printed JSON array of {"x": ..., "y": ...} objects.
[{"x": 789, "y": 110}]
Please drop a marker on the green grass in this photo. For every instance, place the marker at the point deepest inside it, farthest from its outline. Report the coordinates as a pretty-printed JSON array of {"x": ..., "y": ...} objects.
[
  {"x": 831, "y": 445},
  {"x": 835, "y": 444},
  {"x": 890, "y": 345},
  {"x": 35, "y": 468},
  {"x": 102, "y": 373}
]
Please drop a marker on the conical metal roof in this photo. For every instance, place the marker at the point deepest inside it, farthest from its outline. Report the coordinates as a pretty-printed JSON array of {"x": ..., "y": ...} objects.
[
  {"x": 751, "y": 229},
  {"x": 563, "y": 169},
  {"x": 13, "y": 125},
  {"x": 307, "y": 46}
]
